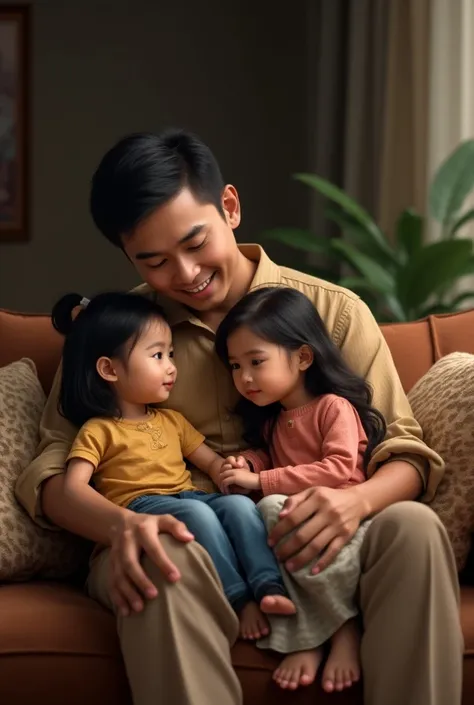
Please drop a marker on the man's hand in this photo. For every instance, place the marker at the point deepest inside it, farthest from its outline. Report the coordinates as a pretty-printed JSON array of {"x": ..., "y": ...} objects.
[
  {"x": 135, "y": 534},
  {"x": 236, "y": 473},
  {"x": 322, "y": 520}
]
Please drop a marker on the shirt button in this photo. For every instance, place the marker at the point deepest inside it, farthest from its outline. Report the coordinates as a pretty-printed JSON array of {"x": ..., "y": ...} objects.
[{"x": 227, "y": 418}]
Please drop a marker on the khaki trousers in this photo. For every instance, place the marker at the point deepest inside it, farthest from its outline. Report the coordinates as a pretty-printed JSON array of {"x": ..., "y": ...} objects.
[{"x": 177, "y": 651}]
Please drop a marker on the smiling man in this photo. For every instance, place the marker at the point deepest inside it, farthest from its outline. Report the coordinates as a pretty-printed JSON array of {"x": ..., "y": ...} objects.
[{"x": 162, "y": 200}]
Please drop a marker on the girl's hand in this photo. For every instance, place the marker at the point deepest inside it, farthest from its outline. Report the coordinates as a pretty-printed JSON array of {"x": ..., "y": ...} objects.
[
  {"x": 241, "y": 478},
  {"x": 237, "y": 462},
  {"x": 136, "y": 533},
  {"x": 229, "y": 463},
  {"x": 325, "y": 520}
]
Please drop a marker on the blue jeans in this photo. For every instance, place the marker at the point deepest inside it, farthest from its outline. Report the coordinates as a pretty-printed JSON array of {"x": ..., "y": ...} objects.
[{"x": 232, "y": 531}]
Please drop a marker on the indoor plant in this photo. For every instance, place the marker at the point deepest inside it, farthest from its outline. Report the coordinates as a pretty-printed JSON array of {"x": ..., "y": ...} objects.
[{"x": 410, "y": 278}]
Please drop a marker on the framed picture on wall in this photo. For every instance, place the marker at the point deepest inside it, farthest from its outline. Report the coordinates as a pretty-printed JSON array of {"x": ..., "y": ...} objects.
[{"x": 13, "y": 123}]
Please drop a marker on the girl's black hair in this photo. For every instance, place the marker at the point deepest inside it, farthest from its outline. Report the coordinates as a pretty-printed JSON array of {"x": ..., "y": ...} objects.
[
  {"x": 286, "y": 317},
  {"x": 102, "y": 328}
]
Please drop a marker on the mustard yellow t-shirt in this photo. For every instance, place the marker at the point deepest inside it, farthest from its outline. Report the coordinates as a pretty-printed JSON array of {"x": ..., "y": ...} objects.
[{"x": 132, "y": 458}]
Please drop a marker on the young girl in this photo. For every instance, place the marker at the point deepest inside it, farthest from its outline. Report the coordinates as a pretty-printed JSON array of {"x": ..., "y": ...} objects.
[
  {"x": 117, "y": 363},
  {"x": 309, "y": 422}
]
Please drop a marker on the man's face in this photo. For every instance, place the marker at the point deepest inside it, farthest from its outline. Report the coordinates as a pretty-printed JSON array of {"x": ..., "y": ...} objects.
[{"x": 186, "y": 250}]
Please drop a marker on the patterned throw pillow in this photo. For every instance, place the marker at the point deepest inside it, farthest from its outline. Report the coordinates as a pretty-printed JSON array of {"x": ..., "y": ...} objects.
[
  {"x": 443, "y": 403},
  {"x": 26, "y": 550}
]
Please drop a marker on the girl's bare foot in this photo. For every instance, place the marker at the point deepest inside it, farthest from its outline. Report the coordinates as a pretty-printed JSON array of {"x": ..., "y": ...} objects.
[
  {"x": 342, "y": 667},
  {"x": 277, "y": 604},
  {"x": 253, "y": 623},
  {"x": 298, "y": 669}
]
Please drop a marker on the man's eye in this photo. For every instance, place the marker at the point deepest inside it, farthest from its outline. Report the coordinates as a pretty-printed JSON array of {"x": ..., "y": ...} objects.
[
  {"x": 158, "y": 356},
  {"x": 193, "y": 248},
  {"x": 157, "y": 266}
]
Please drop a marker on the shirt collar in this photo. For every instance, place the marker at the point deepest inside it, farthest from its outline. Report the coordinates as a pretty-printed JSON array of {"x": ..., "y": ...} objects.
[{"x": 267, "y": 274}]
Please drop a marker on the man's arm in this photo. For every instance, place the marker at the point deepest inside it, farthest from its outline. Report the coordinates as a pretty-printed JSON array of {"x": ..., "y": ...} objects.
[
  {"x": 365, "y": 350},
  {"x": 395, "y": 481},
  {"x": 86, "y": 513}
]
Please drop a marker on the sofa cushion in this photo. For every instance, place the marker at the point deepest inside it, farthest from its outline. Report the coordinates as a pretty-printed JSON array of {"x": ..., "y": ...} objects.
[
  {"x": 443, "y": 403},
  {"x": 26, "y": 550},
  {"x": 65, "y": 644}
]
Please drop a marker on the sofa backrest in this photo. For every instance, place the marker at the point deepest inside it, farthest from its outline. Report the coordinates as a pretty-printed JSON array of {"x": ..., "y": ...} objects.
[
  {"x": 418, "y": 345},
  {"x": 33, "y": 336},
  {"x": 415, "y": 346}
]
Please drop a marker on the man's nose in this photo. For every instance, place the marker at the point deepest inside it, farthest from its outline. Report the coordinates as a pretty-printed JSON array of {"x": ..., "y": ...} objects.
[{"x": 186, "y": 271}]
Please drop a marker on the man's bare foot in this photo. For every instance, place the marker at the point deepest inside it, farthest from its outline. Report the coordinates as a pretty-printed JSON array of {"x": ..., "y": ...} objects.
[
  {"x": 342, "y": 667},
  {"x": 298, "y": 669},
  {"x": 277, "y": 604},
  {"x": 253, "y": 623}
]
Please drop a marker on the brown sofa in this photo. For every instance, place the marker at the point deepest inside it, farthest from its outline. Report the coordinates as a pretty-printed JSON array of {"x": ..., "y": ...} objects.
[{"x": 57, "y": 646}]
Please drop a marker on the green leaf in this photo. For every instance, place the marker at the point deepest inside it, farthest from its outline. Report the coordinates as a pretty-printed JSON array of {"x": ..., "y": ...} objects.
[
  {"x": 334, "y": 193},
  {"x": 468, "y": 267},
  {"x": 361, "y": 236},
  {"x": 396, "y": 308},
  {"x": 460, "y": 299},
  {"x": 379, "y": 277},
  {"x": 321, "y": 273},
  {"x": 452, "y": 183},
  {"x": 300, "y": 239},
  {"x": 409, "y": 232},
  {"x": 431, "y": 269},
  {"x": 434, "y": 310},
  {"x": 362, "y": 286},
  {"x": 462, "y": 220}
]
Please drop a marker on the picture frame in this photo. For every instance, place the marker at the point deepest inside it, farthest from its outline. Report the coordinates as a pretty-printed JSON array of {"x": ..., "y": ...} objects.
[{"x": 14, "y": 88}]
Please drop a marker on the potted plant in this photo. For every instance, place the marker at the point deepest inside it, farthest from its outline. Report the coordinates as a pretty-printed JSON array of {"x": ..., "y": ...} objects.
[{"x": 410, "y": 278}]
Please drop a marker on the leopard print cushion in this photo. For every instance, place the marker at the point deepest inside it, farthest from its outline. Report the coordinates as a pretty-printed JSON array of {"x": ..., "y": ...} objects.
[
  {"x": 26, "y": 550},
  {"x": 443, "y": 403}
]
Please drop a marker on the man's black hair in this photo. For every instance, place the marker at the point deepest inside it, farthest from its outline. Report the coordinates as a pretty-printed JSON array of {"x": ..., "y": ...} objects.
[{"x": 144, "y": 171}]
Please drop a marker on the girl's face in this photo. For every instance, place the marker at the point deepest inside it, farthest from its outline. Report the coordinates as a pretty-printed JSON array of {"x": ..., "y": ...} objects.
[
  {"x": 266, "y": 373},
  {"x": 148, "y": 373}
]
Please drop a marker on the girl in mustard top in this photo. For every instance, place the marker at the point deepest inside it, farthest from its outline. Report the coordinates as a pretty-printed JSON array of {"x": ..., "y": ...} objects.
[{"x": 117, "y": 364}]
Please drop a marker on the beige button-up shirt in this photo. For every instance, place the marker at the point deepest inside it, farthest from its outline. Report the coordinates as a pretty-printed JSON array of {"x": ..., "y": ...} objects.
[{"x": 205, "y": 395}]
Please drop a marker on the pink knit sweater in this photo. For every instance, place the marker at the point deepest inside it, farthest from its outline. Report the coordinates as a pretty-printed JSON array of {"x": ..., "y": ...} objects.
[{"x": 319, "y": 444}]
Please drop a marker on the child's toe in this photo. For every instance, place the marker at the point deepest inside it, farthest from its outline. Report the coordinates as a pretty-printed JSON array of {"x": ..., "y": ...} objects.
[
  {"x": 339, "y": 679},
  {"x": 295, "y": 679}
]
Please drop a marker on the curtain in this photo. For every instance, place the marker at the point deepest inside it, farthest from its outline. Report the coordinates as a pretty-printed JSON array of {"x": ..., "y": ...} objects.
[{"x": 368, "y": 64}]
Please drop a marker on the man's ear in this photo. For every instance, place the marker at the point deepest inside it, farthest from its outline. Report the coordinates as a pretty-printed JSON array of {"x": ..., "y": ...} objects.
[
  {"x": 106, "y": 370},
  {"x": 231, "y": 206},
  {"x": 305, "y": 357}
]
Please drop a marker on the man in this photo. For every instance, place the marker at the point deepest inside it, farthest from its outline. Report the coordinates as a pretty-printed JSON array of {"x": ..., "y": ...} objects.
[{"x": 162, "y": 200}]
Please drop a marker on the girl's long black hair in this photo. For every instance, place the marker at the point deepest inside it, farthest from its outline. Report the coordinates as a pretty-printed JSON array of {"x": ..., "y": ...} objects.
[
  {"x": 103, "y": 328},
  {"x": 287, "y": 318}
]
